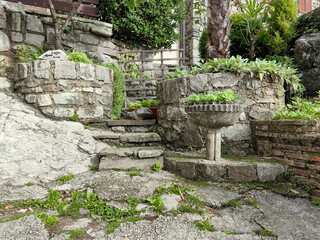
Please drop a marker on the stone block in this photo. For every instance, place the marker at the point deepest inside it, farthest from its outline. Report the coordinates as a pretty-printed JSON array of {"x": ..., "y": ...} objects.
[
  {"x": 34, "y": 24},
  {"x": 86, "y": 71},
  {"x": 5, "y": 85},
  {"x": 175, "y": 113},
  {"x": 106, "y": 99},
  {"x": 65, "y": 70},
  {"x": 89, "y": 90},
  {"x": 267, "y": 172},
  {"x": 16, "y": 22},
  {"x": 3, "y": 17},
  {"x": 172, "y": 90},
  {"x": 242, "y": 173},
  {"x": 44, "y": 100},
  {"x": 16, "y": 37},
  {"x": 237, "y": 132},
  {"x": 89, "y": 39},
  {"x": 35, "y": 39},
  {"x": 223, "y": 79},
  {"x": 210, "y": 171},
  {"x": 68, "y": 98},
  {"x": 198, "y": 83},
  {"x": 106, "y": 32},
  {"x": 170, "y": 164},
  {"x": 42, "y": 69},
  {"x": 4, "y": 42},
  {"x": 103, "y": 74},
  {"x": 31, "y": 98},
  {"x": 63, "y": 112},
  {"x": 150, "y": 153},
  {"x": 90, "y": 112},
  {"x": 258, "y": 113},
  {"x": 22, "y": 69},
  {"x": 187, "y": 169}
]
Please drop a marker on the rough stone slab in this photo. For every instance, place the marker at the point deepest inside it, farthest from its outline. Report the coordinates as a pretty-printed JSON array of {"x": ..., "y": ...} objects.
[
  {"x": 210, "y": 171},
  {"x": 268, "y": 172},
  {"x": 68, "y": 98},
  {"x": 44, "y": 100},
  {"x": 89, "y": 39},
  {"x": 152, "y": 153},
  {"x": 187, "y": 169},
  {"x": 118, "y": 129},
  {"x": 4, "y": 42},
  {"x": 139, "y": 137},
  {"x": 63, "y": 112},
  {"x": 198, "y": 83},
  {"x": 103, "y": 74},
  {"x": 131, "y": 122},
  {"x": 6, "y": 85},
  {"x": 22, "y": 70},
  {"x": 107, "y": 32},
  {"x": 80, "y": 223},
  {"x": 42, "y": 69},
  {"x": 242, "y": 173},
  {"x": 22, "y": 193},
  {"x": 86, "y": 71},
  {"x": 128, "y": 151},
  {"x": 91, "y": 112},
  {"x": 16, "y": 37},
  {"x": 65, "y": 70},
  {"x": 3, "y": 17},
  {"x": 258, "y": 113},
  {"x": 35, "y": 39},
  {"x": 16, "y": 22},
  {"x": 34, "y": 24},
  {"x": 223, "y": 79},
  {"x": 31, "y": 98},
  {"x": 128, "y": 164},
  {"x": 29, "y": 227},
  {"x": 108, "y": 135},
  {"x": 170, "y": 201}
]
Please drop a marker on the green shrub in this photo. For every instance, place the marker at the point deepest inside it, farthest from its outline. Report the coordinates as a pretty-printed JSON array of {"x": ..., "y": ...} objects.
[
  {"x": 282, "y": 25},
  {"x": 152, "y": 25},
  {"x": 118, "y": 90},
  {"x": 219, "y": 97},
  {"x": 144, "y": 103},
  {"x": 28, "y": 53},
  {"x": 203, "y": 49},
  {"x": 309, "y": 22},
  {"x": 78, "y": 57}
]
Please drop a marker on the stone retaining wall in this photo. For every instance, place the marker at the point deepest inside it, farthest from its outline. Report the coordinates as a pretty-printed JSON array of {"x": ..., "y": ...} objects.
[
  {"x": 19, "y": 26},
  {"x": 295, "y": 143},
  {"x": 261, "y": 99},
  {"x": 61, "y": 88}
]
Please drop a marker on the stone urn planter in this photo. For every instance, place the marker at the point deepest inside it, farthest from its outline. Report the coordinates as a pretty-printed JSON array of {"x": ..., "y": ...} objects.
[{"x": 214, "y": 117}]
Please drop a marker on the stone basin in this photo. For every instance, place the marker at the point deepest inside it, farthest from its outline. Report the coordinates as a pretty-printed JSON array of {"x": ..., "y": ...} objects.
[{"x": 214, "y": 117}]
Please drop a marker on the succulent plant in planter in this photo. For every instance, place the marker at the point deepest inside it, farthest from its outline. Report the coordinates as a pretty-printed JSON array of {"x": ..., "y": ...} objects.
[{"x": 214, "y": 111}]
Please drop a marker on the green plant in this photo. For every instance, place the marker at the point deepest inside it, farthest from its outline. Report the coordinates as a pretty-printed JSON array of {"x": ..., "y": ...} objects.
[
  {"x": 64, "y": 179},
  {"x": 133, "y": 202},
  {"x": 93, "y": 168},
  {"x": 180, "y": 73},
  {"x": 219, "y": 97},
  {"x": 27, "y": 53},
  {"x": 144, "y": 103},
  {"x": 309, "y": 22},
  {"x": 49, "y": 220},
  {"x": 152, "y": 25},
  {"x": 118, "y": 91},
  {"x": 76, "y": 233},
  {"x": 266, "y": 233},
  {"x": 281, "y": 23},
  {"x": 234, "y": 203},
  {"x": 156, "y": 203},
  {"x": 28, "y": 184},
  {"x": 315, "y": 202},
  {"x": 205, "y": 225},
  {"x": 230, "y": 232},
  {"x": 78, "y": 57},
  {"x": 253, "y": 202},
  {"x": 3, "y": 63},
  {"x": 134, "y": 173},
  {"x": 156, "y": 167},
  {"x": 203, "y": 49},
  {"x": 74, "y": 117}
]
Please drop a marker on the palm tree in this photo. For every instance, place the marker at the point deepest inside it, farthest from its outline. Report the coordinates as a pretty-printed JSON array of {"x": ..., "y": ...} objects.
[{"x": 219, "y": 29}]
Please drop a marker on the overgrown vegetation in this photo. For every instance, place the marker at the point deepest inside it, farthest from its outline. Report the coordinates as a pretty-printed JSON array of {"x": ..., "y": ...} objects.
[
  {"x": 219, "y": 97},
  {"x": 309, "y": 22},
  {"x": 300, "y": 109},
  {"x": 62, "y": 180},
  {"x": 206, "y": 225},
  {"x": 78, "y": 57},
  {"x": 27, "y": 53},
  {"x": 156, "y": 167},
  {"x": 152, "y": 25}
]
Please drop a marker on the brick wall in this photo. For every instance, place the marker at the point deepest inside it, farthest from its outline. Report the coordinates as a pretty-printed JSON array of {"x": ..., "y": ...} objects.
[{"x": 295, "y": 143}]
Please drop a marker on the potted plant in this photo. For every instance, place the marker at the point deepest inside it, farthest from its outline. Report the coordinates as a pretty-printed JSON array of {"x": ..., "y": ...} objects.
[
  {"x": 214, "y": 111},
  {"x": 152, "y": 105}
]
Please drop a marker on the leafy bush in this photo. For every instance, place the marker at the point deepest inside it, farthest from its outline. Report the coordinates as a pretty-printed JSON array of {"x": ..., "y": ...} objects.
[
  {"x": 118, "y": 90},
  {"x": 203, "y": 49},
  {"x": 300, "y": 109},
  {"x": 156, "y": 167},
  {"x": 309, "y": 22},
  {"x": 144, "y": 103},
  {"x": 28, "y": 53},
  {"x": 151, "y": 25},
  {"x": 78, "y": 57},
  {"x": 281, "y": 25},
  {"x": 219, "y": 97}
]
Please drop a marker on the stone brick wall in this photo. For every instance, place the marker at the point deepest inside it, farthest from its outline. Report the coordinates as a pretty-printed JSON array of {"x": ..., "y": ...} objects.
[
  {"x": 61, "y": 88},
  {"x": 261, "y": 100},
  {"x": 295, "y": 143},
  {"x": 19, "y": 26}
]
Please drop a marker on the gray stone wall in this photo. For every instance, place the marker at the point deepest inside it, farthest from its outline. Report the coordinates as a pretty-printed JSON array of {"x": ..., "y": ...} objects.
[
  {"x": 18, "y": 27},
  {"x": 307, "y": 55},
  {"x": 260, "y": 100},
  {"x": 61, "y": 88}
]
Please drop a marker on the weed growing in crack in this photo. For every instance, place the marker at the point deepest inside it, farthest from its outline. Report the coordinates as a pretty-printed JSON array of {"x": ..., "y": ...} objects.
[
  {"x": 205, "y": 225},
  {"x": 28, "y": 184},
  {"x": 266, "y": 233},
  {"x": 62, "y": 180},
  {"x": 76, "y": 233},
  {"x": 156, "y": 167},
  {"x": 230, "y": 232},
  {"x": 134, "y": 173},
  {"x": 133, "y": 202},
  {"x": 234, "y": 203},
  {"x": 93, "y": 168},
  {"x": 315, "y": 202},
  {"x": 47, "y": 220},
  {"x": 191, "y": 209},
  {"x": 156, "y": 203},
  {"x": 253, "y": 202}
]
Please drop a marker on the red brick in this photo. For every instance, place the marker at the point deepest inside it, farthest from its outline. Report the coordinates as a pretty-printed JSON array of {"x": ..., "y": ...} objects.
[
  {"x": 296, "y": 156},
  {"x": 314, "y": 158},
  {"x": 311, "y": 149},
  {"x": 286, "y": 146},
  {"x": 300, "y": 172},
  {"x": 317, "y": 167},
  {"x": 306, "y": 181}
]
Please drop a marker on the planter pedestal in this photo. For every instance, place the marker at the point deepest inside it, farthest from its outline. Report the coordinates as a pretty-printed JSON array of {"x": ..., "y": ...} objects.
[{"x": 214, "y": 117}]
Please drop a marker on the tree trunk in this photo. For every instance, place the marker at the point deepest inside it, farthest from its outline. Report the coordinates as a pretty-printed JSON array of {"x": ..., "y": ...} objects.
[{"x": 219, "y": 29}]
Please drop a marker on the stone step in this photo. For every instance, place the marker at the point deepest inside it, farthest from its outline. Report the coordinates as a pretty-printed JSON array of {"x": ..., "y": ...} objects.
[
  {"x": 229, "y": 170},
  {"x": 132, "y": 126},
  {"x": 128, "y": 163},
  {"x": 133, "y": 152},
  {"x": 130, "y": 139}
]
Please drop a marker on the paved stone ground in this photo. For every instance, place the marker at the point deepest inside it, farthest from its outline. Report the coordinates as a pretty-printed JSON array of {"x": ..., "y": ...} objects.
[{"x": 37, "y": 150}]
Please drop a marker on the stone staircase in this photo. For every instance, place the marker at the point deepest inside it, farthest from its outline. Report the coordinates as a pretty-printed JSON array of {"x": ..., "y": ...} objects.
[{"x": 129, "y": 147}]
